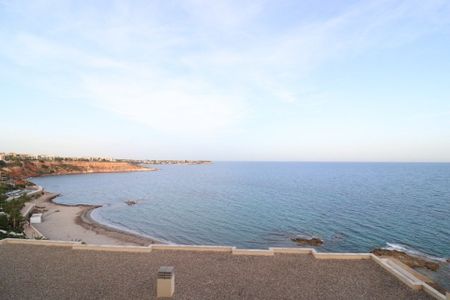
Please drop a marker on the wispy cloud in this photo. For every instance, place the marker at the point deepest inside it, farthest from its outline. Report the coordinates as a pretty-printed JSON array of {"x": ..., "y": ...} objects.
[{"x": 198, "y": 68}]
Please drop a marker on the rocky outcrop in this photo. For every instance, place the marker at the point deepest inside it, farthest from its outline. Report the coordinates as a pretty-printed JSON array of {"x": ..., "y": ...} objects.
[
  {"x": 407, "y": 259},
  {"x": 131, "y": 202},
  {"x": 309, "y": 240}
]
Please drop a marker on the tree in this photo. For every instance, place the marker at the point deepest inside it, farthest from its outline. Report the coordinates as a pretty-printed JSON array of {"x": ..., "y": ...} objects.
[
  {"x": 12, "y": 208},
  {"x": 4, "y": 222}
]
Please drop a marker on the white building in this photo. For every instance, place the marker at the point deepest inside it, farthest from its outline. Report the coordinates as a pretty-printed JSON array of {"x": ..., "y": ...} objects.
[{"x": 36, "y": 218}]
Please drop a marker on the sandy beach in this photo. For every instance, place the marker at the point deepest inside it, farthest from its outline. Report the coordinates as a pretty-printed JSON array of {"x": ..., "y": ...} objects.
[{"x": 74, "y": 223}]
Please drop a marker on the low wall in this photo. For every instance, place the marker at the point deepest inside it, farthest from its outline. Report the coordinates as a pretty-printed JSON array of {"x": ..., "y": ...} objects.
[
  {"x": 35, "y": 192},
  {"x": 112, "y": 248},
  {"x": 37, "y": 232},
  {"x": 192, "y": 248},
  {"x": 390, "y": 265},
  {"x": 41, "y": 242}
]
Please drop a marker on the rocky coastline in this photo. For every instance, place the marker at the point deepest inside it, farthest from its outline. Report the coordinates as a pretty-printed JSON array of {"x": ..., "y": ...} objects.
[{"x": 408, "y": 259}]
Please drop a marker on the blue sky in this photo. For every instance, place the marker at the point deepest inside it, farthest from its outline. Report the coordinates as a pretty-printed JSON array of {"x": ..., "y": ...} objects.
[{"x": 227, "y": 80}]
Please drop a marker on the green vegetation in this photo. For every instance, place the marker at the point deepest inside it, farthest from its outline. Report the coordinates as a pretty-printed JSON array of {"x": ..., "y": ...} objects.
[
  {"x": 14, "y": 163},
  {"x": 11, "y": 220},
  {"x": 4, "y": 188}
]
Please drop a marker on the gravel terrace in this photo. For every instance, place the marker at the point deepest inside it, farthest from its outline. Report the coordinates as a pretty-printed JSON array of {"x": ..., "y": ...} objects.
[{"x": 44, "y": 272}]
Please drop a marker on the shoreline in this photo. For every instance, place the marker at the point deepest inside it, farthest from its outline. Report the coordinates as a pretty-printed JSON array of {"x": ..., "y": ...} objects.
[
  {"x": 74, "y": 223},
  {"x": 87, "y": 221}
]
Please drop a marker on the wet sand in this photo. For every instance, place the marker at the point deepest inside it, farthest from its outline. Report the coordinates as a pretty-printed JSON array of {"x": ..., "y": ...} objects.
[{"x": 74, "y": 223}]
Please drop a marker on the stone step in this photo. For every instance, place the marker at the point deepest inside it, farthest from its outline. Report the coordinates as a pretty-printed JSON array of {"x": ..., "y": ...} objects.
[
  {"x": 412, "y": 271},
  {"x": 402, "y": 274}
]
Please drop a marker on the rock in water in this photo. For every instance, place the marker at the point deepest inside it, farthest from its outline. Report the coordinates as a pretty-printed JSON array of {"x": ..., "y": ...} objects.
[
  {"x": 310, "y": 240},
  {"x": 407, "y": 259},
  {"x": 131, "y": 202}
]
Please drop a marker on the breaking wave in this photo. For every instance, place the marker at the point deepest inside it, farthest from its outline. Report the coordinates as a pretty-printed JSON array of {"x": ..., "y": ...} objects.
[{"x": 412, "y": 252}]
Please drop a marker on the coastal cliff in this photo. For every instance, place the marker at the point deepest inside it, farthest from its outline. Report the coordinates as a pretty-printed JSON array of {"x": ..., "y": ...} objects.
[
  {"x": 27, "y": 169},
  {"x": 16, "y": 167}
]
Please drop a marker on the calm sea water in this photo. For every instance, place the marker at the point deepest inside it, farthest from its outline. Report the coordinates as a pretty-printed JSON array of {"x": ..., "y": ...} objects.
[{"x": 352, "y": 206}]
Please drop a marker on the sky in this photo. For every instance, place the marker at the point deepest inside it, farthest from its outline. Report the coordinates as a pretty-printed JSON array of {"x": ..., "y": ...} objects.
[{"x": 227, "y": 80}]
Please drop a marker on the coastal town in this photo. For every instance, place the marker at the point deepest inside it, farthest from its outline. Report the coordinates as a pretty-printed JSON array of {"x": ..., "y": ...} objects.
[{"x": 12, "y": 156}]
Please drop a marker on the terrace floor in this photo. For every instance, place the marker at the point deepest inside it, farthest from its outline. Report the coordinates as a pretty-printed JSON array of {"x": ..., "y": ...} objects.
[{"x": 38, "y": 272}]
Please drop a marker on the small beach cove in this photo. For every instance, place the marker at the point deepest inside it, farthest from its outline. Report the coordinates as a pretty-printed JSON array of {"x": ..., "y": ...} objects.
[{"x": 74, "y": 223}]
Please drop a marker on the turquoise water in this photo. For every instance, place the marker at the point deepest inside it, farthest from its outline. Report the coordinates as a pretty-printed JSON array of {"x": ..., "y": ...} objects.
[{"x": 352, "y": 206}]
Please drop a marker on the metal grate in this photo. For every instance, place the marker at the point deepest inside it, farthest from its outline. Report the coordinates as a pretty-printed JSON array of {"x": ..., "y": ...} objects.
[{"x": 165, "y": 272}]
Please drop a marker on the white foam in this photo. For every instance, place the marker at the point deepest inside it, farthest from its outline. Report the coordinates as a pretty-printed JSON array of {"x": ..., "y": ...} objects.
[{"x": 413, "y": 252}]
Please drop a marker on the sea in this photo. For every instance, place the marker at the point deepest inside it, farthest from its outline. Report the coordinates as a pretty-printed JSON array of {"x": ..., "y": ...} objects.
[{"x": 353, "y": 207}]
